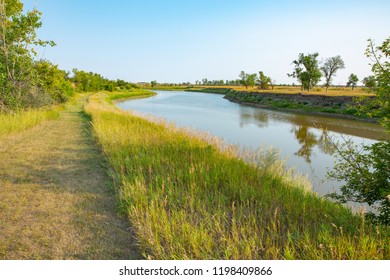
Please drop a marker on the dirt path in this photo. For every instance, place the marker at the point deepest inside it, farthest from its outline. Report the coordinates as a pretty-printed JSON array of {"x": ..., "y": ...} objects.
[{"x": 56, "y": 201}]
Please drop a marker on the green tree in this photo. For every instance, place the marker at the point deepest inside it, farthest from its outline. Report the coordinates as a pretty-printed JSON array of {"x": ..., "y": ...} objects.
[
  {"x": 306, "y": 70},
  {"x": 53, "y": 81},
  {"x": 365, "y": 170},
  {"x": 369, "y": 82},
  {"x": 352, "y": 81},
  {"x": 89, "y": 81},
  {"x": 264, "y": 81},
  {"x": 153, "y": 83},
  {"x": 17, "y": 41},
  {"x": 247, "y": 80},
  {"x": 330, "y": 67}
]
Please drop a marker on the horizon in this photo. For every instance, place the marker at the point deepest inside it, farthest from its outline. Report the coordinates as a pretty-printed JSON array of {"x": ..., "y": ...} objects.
[{"x": 178, "y": 42}]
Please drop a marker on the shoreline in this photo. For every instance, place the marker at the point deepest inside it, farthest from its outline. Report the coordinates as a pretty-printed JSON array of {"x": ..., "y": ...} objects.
[
  {"x": 301, "y": 111},
  {"x": 305, "y": 104}
]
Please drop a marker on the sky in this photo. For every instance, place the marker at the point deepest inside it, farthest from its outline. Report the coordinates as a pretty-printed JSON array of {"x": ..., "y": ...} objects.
[{"x": 174, "y": 41}]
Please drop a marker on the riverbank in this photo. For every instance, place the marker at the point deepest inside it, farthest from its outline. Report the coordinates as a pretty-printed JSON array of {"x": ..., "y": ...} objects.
[
  {"x": 189, "y": 198},
  {"x": 56, "y": 199},
  {"x": 335, "y": 106}
]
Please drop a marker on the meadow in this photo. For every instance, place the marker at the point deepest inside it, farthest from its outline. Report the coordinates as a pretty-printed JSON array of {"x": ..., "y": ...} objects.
[{"x": 189, "y": 196}]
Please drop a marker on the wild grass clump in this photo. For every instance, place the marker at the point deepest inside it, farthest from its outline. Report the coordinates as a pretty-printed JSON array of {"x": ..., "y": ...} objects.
[
  {"x": 189, "y": 199},
  {"x": 25, "y": 119}
]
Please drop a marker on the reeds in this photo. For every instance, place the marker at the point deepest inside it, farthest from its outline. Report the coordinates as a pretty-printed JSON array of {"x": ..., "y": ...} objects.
[{"x": 189, "y": 197}]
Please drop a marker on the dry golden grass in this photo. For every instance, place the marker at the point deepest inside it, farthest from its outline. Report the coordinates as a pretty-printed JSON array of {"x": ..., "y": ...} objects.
[
  {"x": 55, "y": 196},
  {"x": 333, "y": 91}
]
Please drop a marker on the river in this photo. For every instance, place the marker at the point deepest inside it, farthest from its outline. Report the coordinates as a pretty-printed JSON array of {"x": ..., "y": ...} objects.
[{"x": 299, "y": 138}]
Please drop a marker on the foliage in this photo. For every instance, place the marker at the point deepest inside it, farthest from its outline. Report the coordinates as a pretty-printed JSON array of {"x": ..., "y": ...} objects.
[
  {"x": 53, "y": 81},
  {"x": 247, "y": 80},
  {"x": 264, "y": 81},
  {"x": 369, "y": 82},
  {"x": 18, "y": 80},
  {"x": 153, "y": 83},
  {"x": 366, "y": 171},
  {"x": 307, "y": 70},
  {"x": 380, "y": 67},
  {"x": 330, "y": 67},
  {"x": 352, "y": 81}
]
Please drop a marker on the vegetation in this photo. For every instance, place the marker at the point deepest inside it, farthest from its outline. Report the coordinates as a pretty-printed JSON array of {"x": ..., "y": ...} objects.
[
  {"x": 248, "y": 80},
  {"x": 10, "y": 123},
  {"x": 19, "y": 79},
  {"x": 307, "y": 70},
  {"x": 330, "y": 67},
  {"x": 366, "y": 171},
  {"x": 352, "y": 81},
  {"x": 264, "y": 81},
  {"x": 190, "y": 197},
  {"x": 56, "y": 199},
  {"x": 369, "y": 82}
]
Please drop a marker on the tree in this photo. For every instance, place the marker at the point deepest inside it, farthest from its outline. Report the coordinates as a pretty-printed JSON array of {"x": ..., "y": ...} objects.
[
  {"x": 366, "y": 171},
  {"x": 264, "y": 81},
  {"x": 247, "y": 80},
  {"x": 369, "y": 82},
  {"x": 17, "y": 40},
  {"x": 307, "y": 70},
  {"x": 53, "y": 81},
  {"x": 153, "y": 83},
  {"x": 330, "y": 67},
  {"x": 352, "y": 81}
]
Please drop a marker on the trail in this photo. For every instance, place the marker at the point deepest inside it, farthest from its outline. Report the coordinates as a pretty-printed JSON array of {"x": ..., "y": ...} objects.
[{"x": 56, "y": 199}]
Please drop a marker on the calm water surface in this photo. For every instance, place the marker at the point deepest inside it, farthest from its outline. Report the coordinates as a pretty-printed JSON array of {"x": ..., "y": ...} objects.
[{"x": 300, "y": 138}]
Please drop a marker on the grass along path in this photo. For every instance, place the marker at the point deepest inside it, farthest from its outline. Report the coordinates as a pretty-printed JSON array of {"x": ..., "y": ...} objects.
[{"x": 55, "y": 196}]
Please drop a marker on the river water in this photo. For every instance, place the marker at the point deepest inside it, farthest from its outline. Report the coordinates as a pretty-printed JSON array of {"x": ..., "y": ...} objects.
[{"x": 300, "y": 138}]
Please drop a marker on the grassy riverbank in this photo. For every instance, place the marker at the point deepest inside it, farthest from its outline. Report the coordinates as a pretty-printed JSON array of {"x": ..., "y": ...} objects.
[
  {"x": 188, "y": 197},
  {"x": 328, "y": 104}
]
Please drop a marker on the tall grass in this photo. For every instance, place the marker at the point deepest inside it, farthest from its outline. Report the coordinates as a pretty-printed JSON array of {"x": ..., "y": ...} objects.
[
  {"x": 187, "y": 198},
  {"x": 25, "y": 119}
]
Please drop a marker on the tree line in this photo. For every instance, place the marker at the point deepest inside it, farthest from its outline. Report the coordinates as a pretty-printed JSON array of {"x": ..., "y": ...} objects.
[{"x": 26, "y": 81}]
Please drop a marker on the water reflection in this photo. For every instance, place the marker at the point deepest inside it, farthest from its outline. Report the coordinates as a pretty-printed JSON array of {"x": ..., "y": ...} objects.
[{"x": 259, "y": 118}]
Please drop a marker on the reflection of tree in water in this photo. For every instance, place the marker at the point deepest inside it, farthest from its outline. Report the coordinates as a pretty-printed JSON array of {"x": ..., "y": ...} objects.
[
  {"x": 308, "y": 140},
  {"x": 325, "y": 143},
  {"x": 256, "y": 117}
]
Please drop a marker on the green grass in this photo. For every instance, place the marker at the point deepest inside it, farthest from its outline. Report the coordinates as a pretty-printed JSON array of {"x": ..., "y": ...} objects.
[
  {"x": 191, "y": 197},
  {"x": 10, "y": 123}
]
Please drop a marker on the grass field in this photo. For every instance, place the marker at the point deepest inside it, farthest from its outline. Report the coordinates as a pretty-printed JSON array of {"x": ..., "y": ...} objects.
[
  {"x": 191, "y": 197},
  {"x": 332, "y": 91},
  {"x": 10, "y": 123}
]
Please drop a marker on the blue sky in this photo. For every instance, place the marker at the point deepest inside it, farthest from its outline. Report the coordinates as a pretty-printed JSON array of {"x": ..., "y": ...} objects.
[{"x": 179, "y": 41}]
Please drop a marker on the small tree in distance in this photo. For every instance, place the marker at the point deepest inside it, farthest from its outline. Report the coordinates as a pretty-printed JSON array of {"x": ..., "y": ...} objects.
[
  {"x": 330, "y": 67},
  {"x": 306, "y": 70},
  {"x": 247, "y": 80},
  {"x": 369, "y": 82},
  {"x": 264, "y": 81},
  {"x": 352, "y": 81}
]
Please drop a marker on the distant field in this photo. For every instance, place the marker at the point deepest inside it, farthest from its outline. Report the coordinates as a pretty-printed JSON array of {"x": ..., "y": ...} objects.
[{"x": 333, "y": 91}]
